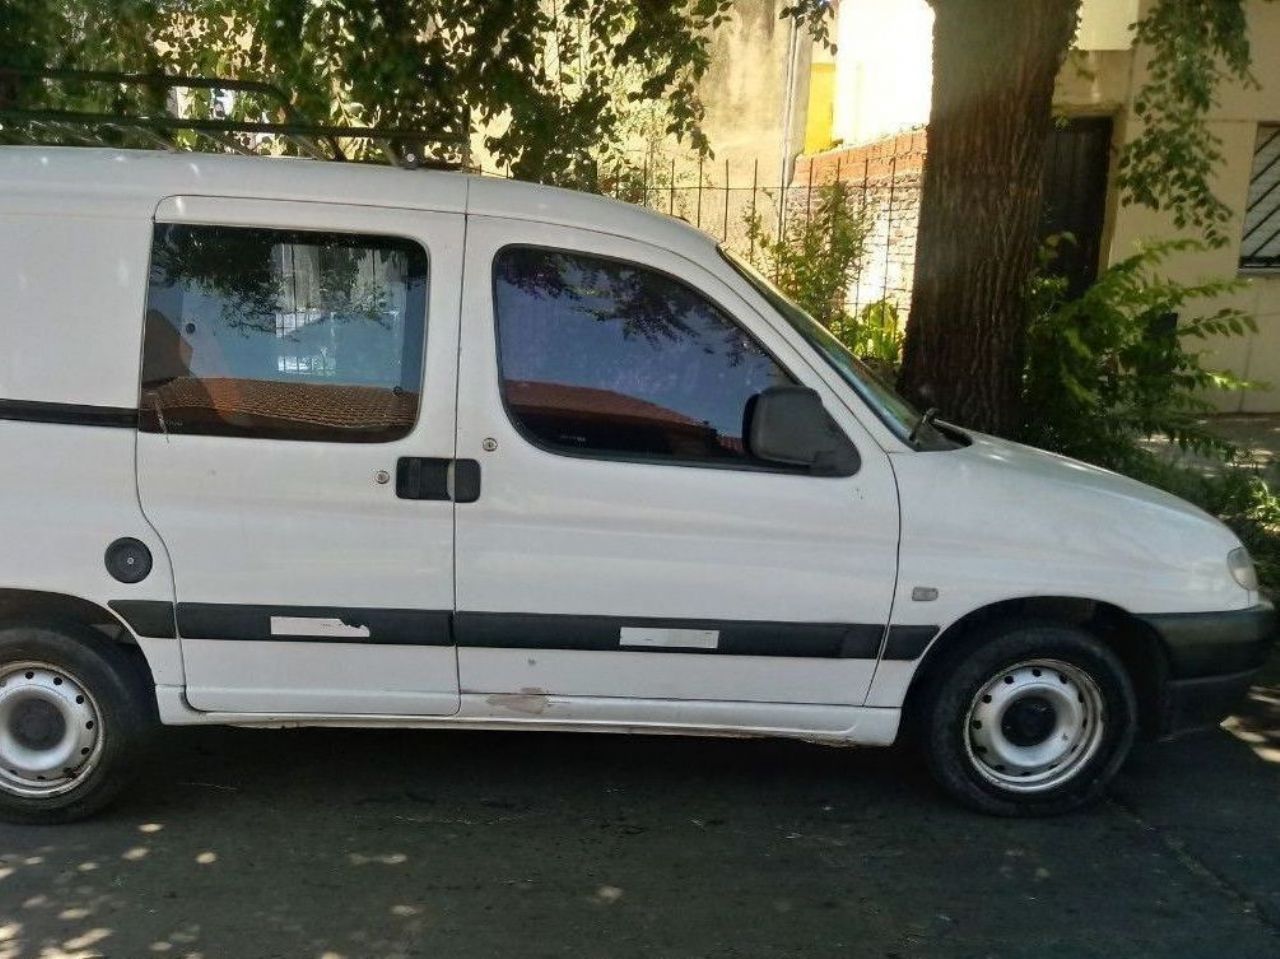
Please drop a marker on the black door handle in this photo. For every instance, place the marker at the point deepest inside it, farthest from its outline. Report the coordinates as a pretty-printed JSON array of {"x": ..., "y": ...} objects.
[
  {"x": 423, "y": 477},
  {"x": 465, "y": 481}
]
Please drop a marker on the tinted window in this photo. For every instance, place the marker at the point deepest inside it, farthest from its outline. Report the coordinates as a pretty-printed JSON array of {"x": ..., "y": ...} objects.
[
  {"x": 603, "y": 356},
  {"x": 283, "y": 334}
]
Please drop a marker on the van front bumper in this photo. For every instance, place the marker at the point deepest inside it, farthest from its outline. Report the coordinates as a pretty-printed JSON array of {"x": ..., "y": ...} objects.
[{"x": 1213, "y": 658}]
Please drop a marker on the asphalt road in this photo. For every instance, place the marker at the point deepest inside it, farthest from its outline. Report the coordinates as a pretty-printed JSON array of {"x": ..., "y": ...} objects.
[{"x": 328, "y": 843}]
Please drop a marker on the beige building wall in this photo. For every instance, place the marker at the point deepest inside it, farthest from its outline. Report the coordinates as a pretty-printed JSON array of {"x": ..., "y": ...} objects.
[
  {"x": 756, "y": 93},
  {"x": 884, "y": 63},
  {"x": 1106, "y": 82}
]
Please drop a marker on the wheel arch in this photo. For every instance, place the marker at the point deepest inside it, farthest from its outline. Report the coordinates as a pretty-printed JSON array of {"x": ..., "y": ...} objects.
[
  {"x": 1134, "y": 643},
  {"x": 30, "y": 606}
]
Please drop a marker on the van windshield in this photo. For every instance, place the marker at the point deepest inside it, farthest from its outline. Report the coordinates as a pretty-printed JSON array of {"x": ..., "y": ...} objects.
[{"x": 899, "y": 415}]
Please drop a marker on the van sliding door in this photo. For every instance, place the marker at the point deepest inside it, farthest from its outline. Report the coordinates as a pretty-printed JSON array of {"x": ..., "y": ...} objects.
[{"x": 296, "y": 356}]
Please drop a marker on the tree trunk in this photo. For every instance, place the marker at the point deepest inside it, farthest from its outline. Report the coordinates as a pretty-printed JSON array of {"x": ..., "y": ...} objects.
[{"x": 994, "y": 64}]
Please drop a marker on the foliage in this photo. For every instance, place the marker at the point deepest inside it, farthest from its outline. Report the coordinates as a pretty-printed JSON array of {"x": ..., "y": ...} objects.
[
  {"x": 816, "y": 261},
  {"x": 550, "y": 80},
  {"x": 877, "y": 336},
  {"x": 816, "y": 257},
  {"x": 1106, "y": 371},
  {"x": 1101, "y": 372},
  {"x": 1195, "y": 46}
]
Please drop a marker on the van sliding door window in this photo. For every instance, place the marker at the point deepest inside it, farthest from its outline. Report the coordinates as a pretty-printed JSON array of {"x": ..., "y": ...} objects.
[
  {"x": 608, "y": 358},
  {"x": 283, "y": 334}
]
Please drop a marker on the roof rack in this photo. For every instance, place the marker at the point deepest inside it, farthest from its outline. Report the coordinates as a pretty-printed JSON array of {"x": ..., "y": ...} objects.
[{"x": 43, "y": 125}]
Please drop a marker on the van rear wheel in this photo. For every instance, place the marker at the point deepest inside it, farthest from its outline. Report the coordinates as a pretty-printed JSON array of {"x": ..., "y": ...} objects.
[
  {"x": 1029, "y": 720},
  {"x": 71, "y": 719}
]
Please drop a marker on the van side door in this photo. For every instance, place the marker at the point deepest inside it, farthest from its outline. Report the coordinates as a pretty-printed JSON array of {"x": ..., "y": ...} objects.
[
  {"x": 626, "y": 545},
  {"x": 296, "y": 434}
]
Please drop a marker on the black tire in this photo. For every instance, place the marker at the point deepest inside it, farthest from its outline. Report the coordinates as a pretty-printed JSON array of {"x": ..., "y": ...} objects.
[
  {"x": 114, "y": 684},
  {"x": 945, "y": 717}
]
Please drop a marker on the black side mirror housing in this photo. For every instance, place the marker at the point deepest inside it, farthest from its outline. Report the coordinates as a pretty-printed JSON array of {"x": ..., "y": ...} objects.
[{"x": 788, "y": 424}]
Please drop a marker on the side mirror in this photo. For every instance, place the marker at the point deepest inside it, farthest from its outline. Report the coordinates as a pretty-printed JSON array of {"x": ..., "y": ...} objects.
[{"x": 788, "y": 424}]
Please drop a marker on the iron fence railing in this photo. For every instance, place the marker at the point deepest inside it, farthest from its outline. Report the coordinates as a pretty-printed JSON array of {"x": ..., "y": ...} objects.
[{"x": 722, "y": 196}]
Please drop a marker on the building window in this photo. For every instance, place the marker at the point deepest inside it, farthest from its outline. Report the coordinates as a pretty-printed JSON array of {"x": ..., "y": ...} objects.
[
  {"x": 283, "y": 334},
  {"x": 609, "y": 358},
  {"x": 1260, "y": 242}
]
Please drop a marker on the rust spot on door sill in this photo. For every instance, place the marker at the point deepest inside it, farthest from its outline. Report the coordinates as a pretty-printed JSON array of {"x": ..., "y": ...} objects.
[{"x": 531, "y": 701}]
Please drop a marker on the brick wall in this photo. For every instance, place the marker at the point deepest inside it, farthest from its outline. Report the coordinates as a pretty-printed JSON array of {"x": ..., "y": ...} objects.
[{"x": 886, "y": 176}]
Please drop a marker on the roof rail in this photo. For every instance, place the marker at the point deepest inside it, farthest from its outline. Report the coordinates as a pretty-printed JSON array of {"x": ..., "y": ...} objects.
[{"x": 30, "y": 124}]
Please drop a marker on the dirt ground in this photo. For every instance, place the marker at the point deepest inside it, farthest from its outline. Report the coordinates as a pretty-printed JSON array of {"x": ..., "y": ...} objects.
[
  {"x": 1255, "y": 435},
  {"x": 325, "y": 844}
]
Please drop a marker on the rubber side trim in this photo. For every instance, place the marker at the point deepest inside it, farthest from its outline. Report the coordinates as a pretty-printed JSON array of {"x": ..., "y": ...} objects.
[
  {"x": 908, "y": 642},
  {"x": 262, "y": 623},
  {"x": 412, "y": 627},
  {"x": 604, "y": 633},
  {"x": 68, "y": 414},
  {"x": 146, "y": 617}
]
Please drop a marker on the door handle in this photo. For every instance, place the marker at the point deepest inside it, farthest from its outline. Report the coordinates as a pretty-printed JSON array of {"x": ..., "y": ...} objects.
[
  {"x": 429, "y": 478},
  {"x": 464, "y": 481}
]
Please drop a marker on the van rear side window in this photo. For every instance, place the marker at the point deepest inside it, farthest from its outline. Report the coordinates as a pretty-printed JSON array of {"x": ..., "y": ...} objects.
[{"x": 283, "y": 334}]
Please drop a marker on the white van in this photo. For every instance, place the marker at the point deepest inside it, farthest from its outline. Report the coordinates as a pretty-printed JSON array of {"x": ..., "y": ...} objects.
[{"x": 293, "y": 443}]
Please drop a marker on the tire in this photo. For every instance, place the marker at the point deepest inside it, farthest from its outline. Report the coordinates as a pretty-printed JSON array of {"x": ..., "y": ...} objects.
[
  {"x": 72, "y": 698},
  {"x": 1028, "y": 719}
]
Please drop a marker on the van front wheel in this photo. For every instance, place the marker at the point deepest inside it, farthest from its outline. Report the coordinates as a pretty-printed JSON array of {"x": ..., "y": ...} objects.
[
  {"x": 1031, "y": 720},
  {"x": 70, "y": 721}
]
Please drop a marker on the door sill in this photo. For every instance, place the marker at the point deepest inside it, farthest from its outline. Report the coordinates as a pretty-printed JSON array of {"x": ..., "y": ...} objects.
[{"x": 536, "y": 711}]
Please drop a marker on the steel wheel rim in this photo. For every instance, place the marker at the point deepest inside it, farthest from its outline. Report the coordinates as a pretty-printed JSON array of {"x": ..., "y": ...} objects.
[
  {"x": 50, "y": 730},
  {"x": 1004, "y": 721}
]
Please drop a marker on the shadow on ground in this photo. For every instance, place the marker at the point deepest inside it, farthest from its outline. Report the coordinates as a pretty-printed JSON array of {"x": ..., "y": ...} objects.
[{"x": 331, "y": 843}]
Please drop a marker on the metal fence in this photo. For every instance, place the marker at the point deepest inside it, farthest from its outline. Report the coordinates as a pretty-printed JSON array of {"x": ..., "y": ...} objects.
[{"x": 722, "y": 196}]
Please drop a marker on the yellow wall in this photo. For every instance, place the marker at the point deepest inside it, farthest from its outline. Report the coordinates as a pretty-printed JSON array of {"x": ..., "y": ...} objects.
[{"x": 818, "y": 133}]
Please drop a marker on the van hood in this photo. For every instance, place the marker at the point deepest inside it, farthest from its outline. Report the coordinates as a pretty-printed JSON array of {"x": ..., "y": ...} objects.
[
  {"x": 1002, "y": 518},
  {"x": 1041, "y": 466}
]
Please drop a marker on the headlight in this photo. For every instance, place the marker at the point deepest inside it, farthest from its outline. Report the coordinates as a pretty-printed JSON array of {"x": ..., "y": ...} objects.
[{"x": 1242, "y": 569}]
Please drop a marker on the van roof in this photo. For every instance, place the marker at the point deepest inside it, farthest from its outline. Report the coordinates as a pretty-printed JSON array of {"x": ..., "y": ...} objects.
[{"x": 85, "y": 180}]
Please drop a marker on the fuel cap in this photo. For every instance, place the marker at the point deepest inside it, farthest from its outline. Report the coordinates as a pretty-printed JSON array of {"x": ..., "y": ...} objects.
[{"x": 128, "y": 560}]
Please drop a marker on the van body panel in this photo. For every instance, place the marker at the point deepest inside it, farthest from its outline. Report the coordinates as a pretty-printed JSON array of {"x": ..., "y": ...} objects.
[
  {"x": 72, "y": 287},
  {"x": 296, "y": 543},
  {"x": 68, "y": 493},
  {"x": 1011, "y": 511},
  {"x": 1031, "y": 524},
  {"x": 621, "y": 540},
  {"x": 292, "y": 585},
  {"x": 62, "y": 180}
]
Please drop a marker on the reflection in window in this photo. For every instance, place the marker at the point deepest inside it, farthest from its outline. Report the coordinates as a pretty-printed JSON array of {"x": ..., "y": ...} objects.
[
  {"x": 285, "y": 334},
  {"x": 604, "y": 356}
]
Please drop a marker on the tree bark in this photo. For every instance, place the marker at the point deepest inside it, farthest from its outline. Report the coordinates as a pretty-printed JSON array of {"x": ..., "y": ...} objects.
[{"x": 994, "y": 65}]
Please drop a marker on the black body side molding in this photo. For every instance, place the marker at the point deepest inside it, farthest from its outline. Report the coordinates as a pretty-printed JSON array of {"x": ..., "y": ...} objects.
[
  {"x": 603, "y": 633},
  {"x": 68, "y": 414},
  {"x": 423, "y": 627},
  {"x": 413, "y": 627},
  {"x": 146, "y": 617}
]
